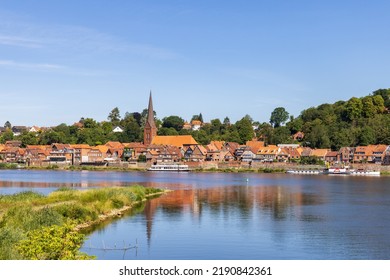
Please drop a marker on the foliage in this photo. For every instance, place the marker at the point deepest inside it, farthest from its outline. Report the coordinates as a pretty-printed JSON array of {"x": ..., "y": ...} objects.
[
  {"x": 114, "y": 116},
  {"x": 358, "y": 121},
  {"x": 278, "y": 116},
  {"x": 34, "y": 226},
  {"x": 245, "y": 129},
  {"x": 52, "y": 243},
  {"x": 142, "y": 158},
  {"x": 7, "y": 135},
  {"x": 175, "y": 122},
  {"x": 311, "y": 160}
]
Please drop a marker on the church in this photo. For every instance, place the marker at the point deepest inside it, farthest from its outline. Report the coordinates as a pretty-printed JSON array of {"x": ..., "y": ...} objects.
[{"x": 151, "y": 137}]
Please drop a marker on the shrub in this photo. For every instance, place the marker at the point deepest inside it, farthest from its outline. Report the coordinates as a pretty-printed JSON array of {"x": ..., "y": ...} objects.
[{"x": 52, "y": 243}]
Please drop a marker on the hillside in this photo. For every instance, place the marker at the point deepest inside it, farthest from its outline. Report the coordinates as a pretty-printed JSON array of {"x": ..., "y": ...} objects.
[{"x": 357, "y": 121}]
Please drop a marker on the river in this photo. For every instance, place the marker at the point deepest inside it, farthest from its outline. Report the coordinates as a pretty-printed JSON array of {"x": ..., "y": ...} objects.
[{"x": 233, "y": 216}]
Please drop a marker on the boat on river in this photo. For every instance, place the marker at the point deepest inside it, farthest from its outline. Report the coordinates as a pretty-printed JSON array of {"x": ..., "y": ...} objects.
[
  {"x": 169, "y": 167},
  {"x": 363, "y": 172},
  {"x": 337, "y": 171},
  {"x": 304, "y": 172},
  {"x": 347, "y": 171}
]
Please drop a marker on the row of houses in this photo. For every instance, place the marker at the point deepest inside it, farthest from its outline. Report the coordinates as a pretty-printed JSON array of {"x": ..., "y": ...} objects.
[
  {"x": 185, "y": 148},
  {"x": 256, "y": 151}
]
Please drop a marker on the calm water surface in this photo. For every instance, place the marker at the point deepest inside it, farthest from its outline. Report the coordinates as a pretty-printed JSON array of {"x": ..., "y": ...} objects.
[{"x": 234, "y": 216}]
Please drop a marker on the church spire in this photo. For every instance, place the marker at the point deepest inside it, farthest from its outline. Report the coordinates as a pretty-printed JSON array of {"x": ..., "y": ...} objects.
[
  {"x": 150, "y": 129},
  {"x": 150, "y": 119}
]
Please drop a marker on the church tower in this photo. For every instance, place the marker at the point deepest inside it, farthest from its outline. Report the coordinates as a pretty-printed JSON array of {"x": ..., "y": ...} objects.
[{"x": 150, "y": 129}]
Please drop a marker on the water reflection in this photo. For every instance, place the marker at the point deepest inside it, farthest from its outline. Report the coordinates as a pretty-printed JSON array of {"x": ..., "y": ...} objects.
[
  {"x": 279, "y": 202},
  {"x": 236, "y": 216}
]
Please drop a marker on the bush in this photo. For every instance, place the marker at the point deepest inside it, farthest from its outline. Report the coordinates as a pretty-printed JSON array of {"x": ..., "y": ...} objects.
[
  {"x": 52, "y": 243},
  {"x": 76, "y": 212},
  {"x": 26, "y": 219},
  {"x": 8, "y": 238}
]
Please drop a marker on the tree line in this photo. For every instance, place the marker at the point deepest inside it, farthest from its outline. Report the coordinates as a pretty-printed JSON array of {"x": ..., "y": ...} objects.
[{"x": 358, "y": 121}]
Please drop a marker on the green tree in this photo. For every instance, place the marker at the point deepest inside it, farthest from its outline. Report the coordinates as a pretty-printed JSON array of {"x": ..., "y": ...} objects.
[
  {"x": 354, "y": 108},
  {"x": 245, "y": 130},
  {"x": 175, "y": 122},
  {"x": 232, "y": 136},
  {"x": 265, "y": 132},
  {"x": 226, "y": 122},
  {"x": 278, "y": 116},
  {"x": 114, "y": 116},
  {"x": 379, "y": 104},
  {"x": 369, "y": 109},
  {"x": 7, "y": 125},
  {"x": 201, "y": 137},
  {"x": 317, "y": 135},
  {"x": 294, "y": 125},
  {"x": 281, "y": 135},
  {"x": 366, "y": 136},
  {"x": 216, "y": 127},
  {"x": 90, "y": 123},
  {"x": 49, "y": 137},
  {"x": 385, "y": 94},
  {"x": 131, "y": 130},
  {"x": 7, "y": 135},
  {"x": 167, "y": 131},
  {"x": 28, "y": 138}
]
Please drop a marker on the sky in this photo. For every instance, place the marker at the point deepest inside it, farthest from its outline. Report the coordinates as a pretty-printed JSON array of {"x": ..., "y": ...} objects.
[{"x": 63, "y": 60}]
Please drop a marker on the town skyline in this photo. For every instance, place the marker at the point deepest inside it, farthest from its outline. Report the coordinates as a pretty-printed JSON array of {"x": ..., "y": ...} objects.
[{"x": 61, "y": 61}]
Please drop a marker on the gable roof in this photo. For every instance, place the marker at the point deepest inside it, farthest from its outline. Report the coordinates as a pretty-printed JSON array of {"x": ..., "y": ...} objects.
[
  {"x": 211, "y": 148},
  {"x": 269, "y": 150},
  {"x": 218, "y": 144},
  {"x": 319, "y": 152},
  {"x": 380, "y": 148},
  {"x": 80, "y": 146},
  {"x": 255, "y": 145},
  {"x": 114, "y": 144},
  {"x": 102, "y": 148},
  {"x": 201, "y": 148},
  {"x": 175, "y": 140},
  {"x": 332, "y": 154}
]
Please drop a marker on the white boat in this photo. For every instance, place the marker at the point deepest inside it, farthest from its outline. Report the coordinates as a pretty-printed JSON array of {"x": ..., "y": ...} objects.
[
  {"x": 337, "y": 171},
  {"x": 169, "y": 167},
  {"x": 304, "y": 172},
  {"x": 363, "y": 172}
]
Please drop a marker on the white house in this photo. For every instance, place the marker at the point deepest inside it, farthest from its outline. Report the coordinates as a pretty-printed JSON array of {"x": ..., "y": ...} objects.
[{"x": 117, "y": 129}]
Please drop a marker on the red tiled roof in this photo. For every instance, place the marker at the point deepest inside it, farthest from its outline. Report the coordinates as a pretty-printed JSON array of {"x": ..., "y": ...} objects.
[{"x": 177, "y": 140}]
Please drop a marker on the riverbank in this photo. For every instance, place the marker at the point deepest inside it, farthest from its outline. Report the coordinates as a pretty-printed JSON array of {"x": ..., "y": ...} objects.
[
  {"x": 34, "y": 226},
  {"x": 207, "y": 167}
]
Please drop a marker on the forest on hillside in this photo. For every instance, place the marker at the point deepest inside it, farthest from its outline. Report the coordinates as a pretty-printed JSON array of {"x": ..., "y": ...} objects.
[{"x": 355, "y": 122}]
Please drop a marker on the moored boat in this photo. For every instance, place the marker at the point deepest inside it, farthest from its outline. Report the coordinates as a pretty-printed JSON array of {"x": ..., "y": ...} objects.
[
  {"x": 169, "y": 167},
  {"x": 337, "y": 171},
  {"x": 304, "y": 172},
  {"x": 364, "y": 172}
]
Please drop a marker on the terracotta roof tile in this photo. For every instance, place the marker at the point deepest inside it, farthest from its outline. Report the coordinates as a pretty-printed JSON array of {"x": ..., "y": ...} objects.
[
  {"x": 177, "y": 140},
  {"x": 319, "y": 152}
]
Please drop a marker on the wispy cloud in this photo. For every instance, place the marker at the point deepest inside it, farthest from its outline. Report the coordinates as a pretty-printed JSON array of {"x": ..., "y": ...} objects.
[
  {"x": 35, "y": 66},
  {"x": 19, "y": 42},
  {"x": 74, "y": 39}
]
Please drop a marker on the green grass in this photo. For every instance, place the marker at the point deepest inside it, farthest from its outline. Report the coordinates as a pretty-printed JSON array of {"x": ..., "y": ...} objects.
[
  {"x": 27, "y": 212},
  {"x": 4, "y": 165}
]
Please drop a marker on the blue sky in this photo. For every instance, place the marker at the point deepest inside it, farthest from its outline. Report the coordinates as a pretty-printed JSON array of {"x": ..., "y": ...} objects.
[{"x": 63, "y": 60}]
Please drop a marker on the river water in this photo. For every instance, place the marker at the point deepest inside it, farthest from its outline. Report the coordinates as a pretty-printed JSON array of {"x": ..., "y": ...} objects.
[{"x": 234, "y": 216}]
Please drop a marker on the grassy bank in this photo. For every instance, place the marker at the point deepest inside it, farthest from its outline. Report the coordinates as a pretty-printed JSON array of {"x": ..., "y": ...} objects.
[{"x": 34, "y": 226}]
